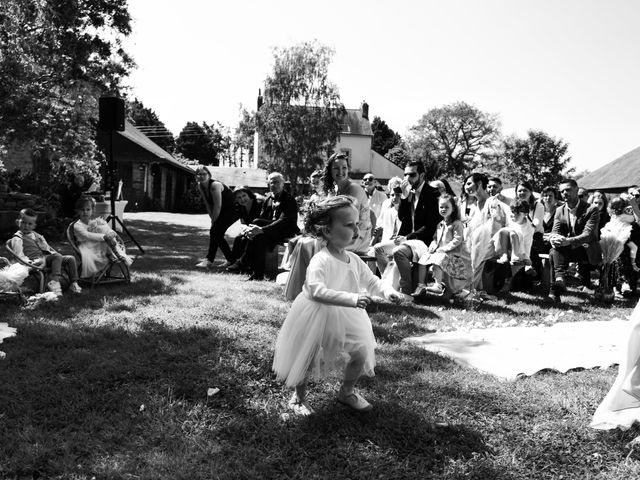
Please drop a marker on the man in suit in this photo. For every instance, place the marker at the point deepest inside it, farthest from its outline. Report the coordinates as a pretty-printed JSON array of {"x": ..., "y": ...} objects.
[
  {"x": 574, "y": 237},
  {"x": 418, "y": 217},
  {"x": 278, "y": 221}
]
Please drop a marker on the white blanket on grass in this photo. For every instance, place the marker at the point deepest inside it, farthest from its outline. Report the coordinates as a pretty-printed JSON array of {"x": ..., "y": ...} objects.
[
  {"x": 5, "y": 332},
  {"x": 512, "y": 352}
]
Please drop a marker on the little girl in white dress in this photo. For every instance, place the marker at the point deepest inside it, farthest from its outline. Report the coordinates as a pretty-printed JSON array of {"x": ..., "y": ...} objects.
[
  {"x": 328, "y": 327},
  {"x": 97, "y": 242}
]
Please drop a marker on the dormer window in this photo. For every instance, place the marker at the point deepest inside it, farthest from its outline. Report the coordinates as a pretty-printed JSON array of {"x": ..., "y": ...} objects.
[{"x": 345, "y": 128}]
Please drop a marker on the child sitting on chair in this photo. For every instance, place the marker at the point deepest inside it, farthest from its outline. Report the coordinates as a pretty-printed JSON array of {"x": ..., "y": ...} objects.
[
  {"x": 97, "y": 242},
  {"x": 513, "y": 242},
  {"x": 32, "y": 248}
]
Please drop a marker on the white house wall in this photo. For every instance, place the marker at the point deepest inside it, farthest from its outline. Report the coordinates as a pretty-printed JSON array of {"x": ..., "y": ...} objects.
[{"x": 359, "y": 148}]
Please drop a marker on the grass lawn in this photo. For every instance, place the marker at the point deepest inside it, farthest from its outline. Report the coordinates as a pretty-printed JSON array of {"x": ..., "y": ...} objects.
[{"x": 113, "y": 384}]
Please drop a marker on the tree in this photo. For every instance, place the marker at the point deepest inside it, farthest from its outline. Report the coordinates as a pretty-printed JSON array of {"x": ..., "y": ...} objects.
[
  {"x": 148, "y": 123},
  {"x": 204, "y": 143},
  {"x": 56, "y": 59},
  {"x": 539, "y": 158},
  {"x": 454, "y": 139},
  {"x": 399, "y": 154},
  {"x": 384, "y": 139},
  {"x": 300, "y": 119},
  {"x": 245, "y": 131}
]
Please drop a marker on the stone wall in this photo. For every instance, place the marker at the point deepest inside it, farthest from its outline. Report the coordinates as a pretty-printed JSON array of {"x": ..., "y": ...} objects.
[{"x": 12, "y": 203}]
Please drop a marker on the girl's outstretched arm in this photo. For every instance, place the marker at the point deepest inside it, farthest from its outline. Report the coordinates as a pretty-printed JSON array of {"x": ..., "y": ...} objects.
[{"x": 373, "y": 284}]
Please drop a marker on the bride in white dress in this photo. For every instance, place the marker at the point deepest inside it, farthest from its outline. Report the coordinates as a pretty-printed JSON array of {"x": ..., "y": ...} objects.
[{"x": 621, "y": 406}]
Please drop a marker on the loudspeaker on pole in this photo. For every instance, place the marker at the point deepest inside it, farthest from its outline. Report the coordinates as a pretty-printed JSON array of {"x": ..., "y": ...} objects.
[{"x": 111, "y": 114}]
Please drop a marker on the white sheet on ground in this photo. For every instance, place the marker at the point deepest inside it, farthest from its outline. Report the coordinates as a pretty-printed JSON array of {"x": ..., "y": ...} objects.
[{"x": 511, "y": 352}]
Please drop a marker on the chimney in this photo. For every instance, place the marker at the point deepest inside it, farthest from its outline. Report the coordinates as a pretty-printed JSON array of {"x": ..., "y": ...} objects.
[
  {"x": 260, "y": 101},
  {"x": 365, "y": 109}
]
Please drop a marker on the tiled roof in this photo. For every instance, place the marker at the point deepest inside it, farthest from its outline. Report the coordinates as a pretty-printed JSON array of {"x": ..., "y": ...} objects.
[
  {"x": 136, "y": 136},
  {"x": 621, "y": 173},
  {"x": 354, "y": 124}
]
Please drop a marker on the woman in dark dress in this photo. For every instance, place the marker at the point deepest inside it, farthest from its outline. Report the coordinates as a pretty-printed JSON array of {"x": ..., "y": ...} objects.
[{"x": 219, "y": 200}]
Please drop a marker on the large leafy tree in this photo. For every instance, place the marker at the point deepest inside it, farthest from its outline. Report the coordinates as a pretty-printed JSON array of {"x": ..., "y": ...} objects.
[
  {"x": 148, "y": 122},
  {"x": 302, "y": 113},
  {"x": 384, "y": 138},
  {"x": 538, "y": 158},
  {"x": 205, "y": 143},
  {"x": 56, "y": 58},
  {"x": 454, "y": 139}
]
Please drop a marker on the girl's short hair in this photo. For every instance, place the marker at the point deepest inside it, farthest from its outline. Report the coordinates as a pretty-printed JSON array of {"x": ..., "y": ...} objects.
[
  {"x": 617, "y": 205},
  {"x": 245, "y": 189},
  {"x": 319, "y": 214},
  {"x": 82, "y": 201},
  {"x": 455, "y": 213},
  {"x": 520, "y": 206}
]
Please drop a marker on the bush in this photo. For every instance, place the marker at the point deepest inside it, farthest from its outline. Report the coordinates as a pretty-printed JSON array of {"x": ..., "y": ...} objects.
[{"x": 191, "y": 202}]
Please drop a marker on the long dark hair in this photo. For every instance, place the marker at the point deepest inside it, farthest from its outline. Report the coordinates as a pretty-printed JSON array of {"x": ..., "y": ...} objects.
[{"x": 327, "y": 180}]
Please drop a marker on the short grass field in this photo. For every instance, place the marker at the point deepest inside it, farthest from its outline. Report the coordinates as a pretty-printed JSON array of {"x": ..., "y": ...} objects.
[{"x": 114, "y": 384}]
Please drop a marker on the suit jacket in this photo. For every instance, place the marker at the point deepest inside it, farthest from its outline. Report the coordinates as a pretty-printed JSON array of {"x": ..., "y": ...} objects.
[
  {"x": 585, "y": 233},
  {"x": 279, "y": 217},
  {"x": 422, "y": 224}
]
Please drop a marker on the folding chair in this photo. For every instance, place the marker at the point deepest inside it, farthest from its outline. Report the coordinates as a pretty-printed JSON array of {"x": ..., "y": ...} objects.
[
  {"x": 113, "y": 272},
  {"x": 40, "y": 273}
]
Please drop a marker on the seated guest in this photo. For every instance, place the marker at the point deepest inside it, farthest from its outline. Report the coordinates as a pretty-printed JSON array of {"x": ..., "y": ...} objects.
[
  {"x": 513, "y": 242},
  {"x": 418, "y": 216},
  {"x": 486, "y": 216},
  {"x": 447, "y": 254},
  {"x": 97, "y": 242},
  {"x": 599, "y": 199},
  {"x": 549, "y": 199},
  {"x": 317, "y": 192},
  {"x": 387, "y": 228},
  {"x": 375, "y": 198},
  {"x": 524, "y": 192},
  {"x": 494, "y": 188},
  {"x": 336, "y": 181},
  {"x": 278, "y": 221},
  {"x": 574, "y": 238},
  {"x": 248, "y": 207},
  {"x": 32, "y": 248},
  {"x": 624, "y": 228}
]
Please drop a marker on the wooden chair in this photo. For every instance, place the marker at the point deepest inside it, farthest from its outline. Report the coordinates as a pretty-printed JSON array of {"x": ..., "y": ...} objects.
[
  {"x": 113, "y": 272},
  {"x": 40, "y": 273}
]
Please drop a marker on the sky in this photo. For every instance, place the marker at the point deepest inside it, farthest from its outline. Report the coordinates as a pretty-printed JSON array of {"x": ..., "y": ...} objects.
[{"x": 568, "y": 67}]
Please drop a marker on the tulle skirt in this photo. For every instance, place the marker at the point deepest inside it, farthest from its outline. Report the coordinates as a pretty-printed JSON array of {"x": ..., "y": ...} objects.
[
  {"x": 621, "y": 406},
  {"x": 317, "y": 339}
]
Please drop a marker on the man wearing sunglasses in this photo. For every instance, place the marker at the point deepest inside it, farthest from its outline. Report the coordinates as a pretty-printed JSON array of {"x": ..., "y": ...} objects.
[
  {"x": 574, "y": 238},
  {"x": 375, "y": 196},
  {"x": 418, "y": 216}
]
